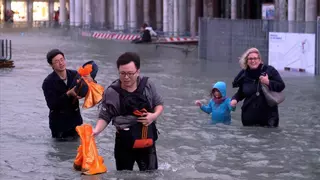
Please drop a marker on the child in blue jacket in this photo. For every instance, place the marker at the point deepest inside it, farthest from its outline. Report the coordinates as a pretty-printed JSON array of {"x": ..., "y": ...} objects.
[{"x": 219, "y": 105}]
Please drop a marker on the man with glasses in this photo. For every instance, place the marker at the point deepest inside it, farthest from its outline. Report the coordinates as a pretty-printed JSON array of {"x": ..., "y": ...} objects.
[
  {"x": 62, "y": 100},
  {"x": 121, "y": 104}
]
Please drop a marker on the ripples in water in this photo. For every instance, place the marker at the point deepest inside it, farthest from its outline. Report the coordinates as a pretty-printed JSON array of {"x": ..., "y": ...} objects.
[{"x": 188, "y": 147}]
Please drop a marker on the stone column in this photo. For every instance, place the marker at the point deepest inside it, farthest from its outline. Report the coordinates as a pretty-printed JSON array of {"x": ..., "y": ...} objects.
[
  {"x": 140, "y": 13},
  {"x": 175, "y": 17},
  {"x": 122, "y": 14},
  {"x": 300, "y": 16},
  {"x": 116, "y": 14},
  {"x": 78, "y": 12},
  {"x": 159, "y": 14},
  {"x": 233, "y": 9},
  {"x": 146, "y": 15},
  {"x": 311, "y": 15},
  {"x": 193, "y": 17},
  {"x": 171, "y": 16},
  {"x": 110, "y": 14},
  {"x": 165, "y": 16},
  {"x": 51, "y": 10},
  {"x": 72, "y": 12},
  {"x": 62, "y": 12},
  {"x": 300, "y": 11},
  {"x": 182, "y": 9},
  {"x": 227, "y": 12},
  {"x": 311, "y": 7},
  {"x": 30, "y": 11},
  {"x": 291, "y": 15},
  {"x": 103, "y": 12},
  {"x": 7, "y": 5},
  {"x": 282, "y": 10},
  {"x": 133, "y": 15},
  {"x": 87, "y": 12},
  {"x": 208, "y": 8},
  {"x": 168, "y": 16}
]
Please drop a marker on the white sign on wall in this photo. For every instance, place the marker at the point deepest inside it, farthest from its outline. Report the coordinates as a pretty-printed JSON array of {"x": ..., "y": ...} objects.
[{"x": 292, "y": 51}]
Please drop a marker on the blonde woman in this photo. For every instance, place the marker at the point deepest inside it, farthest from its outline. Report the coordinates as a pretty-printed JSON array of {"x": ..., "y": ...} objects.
[{"x": 255, "y": 110}]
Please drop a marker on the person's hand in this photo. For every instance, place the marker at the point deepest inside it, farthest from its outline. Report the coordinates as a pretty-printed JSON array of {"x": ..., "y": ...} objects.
[
  {"x": 264, "y": 79},
  {"x": 95, "y": 132},
  {"x": 233, "y": 103},
  {"x": 147, "y": 118},
  {"x": 72, "y": 92},
  {"x": 198, "y": 103}
]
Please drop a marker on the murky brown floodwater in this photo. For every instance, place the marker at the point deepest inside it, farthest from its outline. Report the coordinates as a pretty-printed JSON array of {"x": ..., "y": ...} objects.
[{"x": 188, "y": 147}]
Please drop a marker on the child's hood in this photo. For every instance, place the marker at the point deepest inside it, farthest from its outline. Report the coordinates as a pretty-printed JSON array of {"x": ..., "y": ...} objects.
[{"x": 222, "y": 87}]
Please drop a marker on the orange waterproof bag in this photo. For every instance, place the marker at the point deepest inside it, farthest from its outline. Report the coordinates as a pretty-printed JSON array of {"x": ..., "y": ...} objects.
[
  {"x": 95, "y": 91},
  {"x": 144, "y": 141},
  {"x": 88, "y": 160}
]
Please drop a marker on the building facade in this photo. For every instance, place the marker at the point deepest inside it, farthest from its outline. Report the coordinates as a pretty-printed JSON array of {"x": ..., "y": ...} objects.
[{"x": 172, "y": 16}]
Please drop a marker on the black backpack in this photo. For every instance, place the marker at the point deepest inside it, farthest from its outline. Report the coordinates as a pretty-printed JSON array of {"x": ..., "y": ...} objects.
[{"x": 130, "y": 102}]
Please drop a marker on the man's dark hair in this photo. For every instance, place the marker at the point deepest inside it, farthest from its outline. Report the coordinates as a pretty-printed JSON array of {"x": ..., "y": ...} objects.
[
  {"x": 52, "y": 53},
  {"x": 144, "y": 25},
  {"x": 128, "y": 57}
]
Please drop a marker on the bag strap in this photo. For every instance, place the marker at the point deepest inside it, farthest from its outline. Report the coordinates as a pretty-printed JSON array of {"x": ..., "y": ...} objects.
[
  {"x": 142, "y": 85},
  {"x": 116, "y": 87}
]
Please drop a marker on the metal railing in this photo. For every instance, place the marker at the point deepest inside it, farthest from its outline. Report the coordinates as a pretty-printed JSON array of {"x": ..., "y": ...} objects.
[{"x": 5, "y": 50}]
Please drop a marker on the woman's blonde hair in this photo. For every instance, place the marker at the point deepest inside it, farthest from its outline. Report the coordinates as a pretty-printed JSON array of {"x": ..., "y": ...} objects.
[{"x": 244, "y": 58}]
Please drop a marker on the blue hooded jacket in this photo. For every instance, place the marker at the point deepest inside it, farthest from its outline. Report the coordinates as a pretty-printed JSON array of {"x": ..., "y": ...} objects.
[{"x": 220, "y": 113}]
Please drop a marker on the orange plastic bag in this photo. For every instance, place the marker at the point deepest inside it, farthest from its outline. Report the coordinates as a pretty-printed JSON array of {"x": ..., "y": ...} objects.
[
  {"x": 88, "y": 160},
  {"x": 95, "y": 91}
]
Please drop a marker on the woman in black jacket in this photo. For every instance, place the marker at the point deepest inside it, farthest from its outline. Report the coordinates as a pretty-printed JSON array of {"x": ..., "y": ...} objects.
[{"x": 255, "y": 110}]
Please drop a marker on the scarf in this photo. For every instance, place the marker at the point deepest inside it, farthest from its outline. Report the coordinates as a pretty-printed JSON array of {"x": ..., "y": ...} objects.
[{"x": 255, "y": 73}]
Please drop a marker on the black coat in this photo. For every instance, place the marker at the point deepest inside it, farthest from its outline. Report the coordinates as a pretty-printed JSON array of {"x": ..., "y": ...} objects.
[
  {"x": 64, "y": 114},
  {"x": 255, "y": 110}
]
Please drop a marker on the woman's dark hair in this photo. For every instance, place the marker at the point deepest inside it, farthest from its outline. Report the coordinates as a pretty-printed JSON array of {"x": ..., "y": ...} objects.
[{"x": 128, "y": 57}]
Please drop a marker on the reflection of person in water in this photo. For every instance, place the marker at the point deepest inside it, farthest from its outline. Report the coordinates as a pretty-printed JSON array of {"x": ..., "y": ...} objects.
[
  {"x": 62, "y": 151},
  {"x": 145, "y": 35}
]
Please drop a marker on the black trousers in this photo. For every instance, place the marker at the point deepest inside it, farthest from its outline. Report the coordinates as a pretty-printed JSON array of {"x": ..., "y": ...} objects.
[
  {"x": 67, "y": 135},
  {"x": 125, "y": 156}
]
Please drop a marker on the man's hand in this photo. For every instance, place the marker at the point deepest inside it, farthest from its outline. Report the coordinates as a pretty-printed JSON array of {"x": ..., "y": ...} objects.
[
  {"x": 147, "y": 118},
  {"x": 95, "y": 132},
  {"x": 73, "y": 93}
]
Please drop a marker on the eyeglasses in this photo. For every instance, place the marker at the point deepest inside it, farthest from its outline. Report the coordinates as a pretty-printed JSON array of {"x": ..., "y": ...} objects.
[
  {"x": 58, "y": 61},
  {"x": 129, "y": 74},
  {"x": 253, "y": 59}
]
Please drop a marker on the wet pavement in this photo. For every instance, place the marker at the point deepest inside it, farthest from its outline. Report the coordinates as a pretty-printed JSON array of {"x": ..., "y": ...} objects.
[{"x": 188, "y": 146}]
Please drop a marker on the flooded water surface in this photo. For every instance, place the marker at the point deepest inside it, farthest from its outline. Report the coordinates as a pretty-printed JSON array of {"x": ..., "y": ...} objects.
[{"x": 188, "y": 146}]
